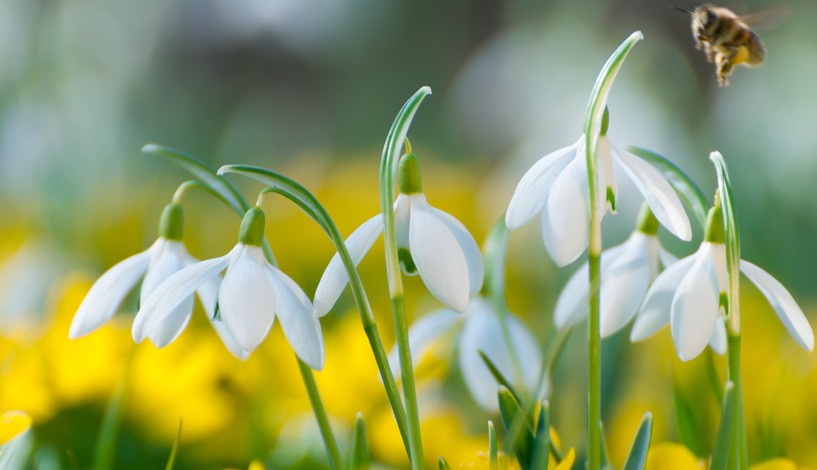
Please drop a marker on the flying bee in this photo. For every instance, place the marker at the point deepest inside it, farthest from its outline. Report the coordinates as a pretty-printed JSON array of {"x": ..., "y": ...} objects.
[{"x": 726, "y": 38}]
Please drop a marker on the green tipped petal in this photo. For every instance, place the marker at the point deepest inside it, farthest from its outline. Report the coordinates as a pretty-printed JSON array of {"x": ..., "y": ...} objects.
[{"x": 647, "y": 223}]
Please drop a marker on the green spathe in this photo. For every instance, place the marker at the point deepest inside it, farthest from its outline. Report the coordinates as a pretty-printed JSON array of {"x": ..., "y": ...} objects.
[
  {"x": 252, "y": 227},
  {"x": 714, "y": 225},
  {"x": 171, "y": 225},
  {"x": 409, "y": 180}
]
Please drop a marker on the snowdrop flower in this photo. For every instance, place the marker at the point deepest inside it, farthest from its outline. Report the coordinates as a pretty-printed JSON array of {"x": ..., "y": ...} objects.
[
  {"x": 627, "y": 270},
  {"x": 166, "y": 256},
  {"x": 556, "y": 186},
  {"x": 478, "y": 330},
  {"x": 688, "y": 296},
  {"x": 247, "y": 299},
  {"x": 430, "y": 243}
]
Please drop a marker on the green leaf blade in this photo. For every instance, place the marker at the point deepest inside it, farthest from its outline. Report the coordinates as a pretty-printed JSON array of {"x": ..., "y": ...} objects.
[{"x": 637, "y": 459}]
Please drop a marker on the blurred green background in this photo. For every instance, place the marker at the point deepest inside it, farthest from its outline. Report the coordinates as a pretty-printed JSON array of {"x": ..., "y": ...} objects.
[{"x": 309, "y": 88}]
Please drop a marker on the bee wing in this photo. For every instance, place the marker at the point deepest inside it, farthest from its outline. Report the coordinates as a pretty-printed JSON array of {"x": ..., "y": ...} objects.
[{"x": 768, "y": 17}]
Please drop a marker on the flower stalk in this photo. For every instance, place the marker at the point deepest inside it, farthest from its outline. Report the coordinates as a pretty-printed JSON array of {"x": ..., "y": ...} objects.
[
  {"x": 312, "y": 207},
  {"x": 595, "y": 126},
  {"x": 388, "y": 166}
]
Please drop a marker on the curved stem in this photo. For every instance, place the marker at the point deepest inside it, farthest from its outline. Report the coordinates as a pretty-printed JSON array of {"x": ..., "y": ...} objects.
[
  {"x": 300, "y": 196},
  {"x": 388, "y": 165},
  {"x": 320, "y": 415}
]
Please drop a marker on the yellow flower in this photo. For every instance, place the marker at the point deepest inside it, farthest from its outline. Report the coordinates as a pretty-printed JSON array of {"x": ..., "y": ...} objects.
[
  {"x": 669, "y": 456},
  {"x": 567, "y": 462},
  {"x": 776, "y": 464},
  {"x": 12, "y": 425}
]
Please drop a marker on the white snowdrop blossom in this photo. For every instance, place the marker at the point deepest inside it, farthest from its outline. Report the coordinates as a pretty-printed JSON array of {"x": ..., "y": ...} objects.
[
  {"x": 627, "y": 270},
  {"x": 556, "y": 186},
  {"x": 688, "y": 294},
  {"x": 477, "y": 330},
  {"x": 153, "y": 266},
  {"x": 430, "y": 242},
  {"x": 247, "y": 300}
]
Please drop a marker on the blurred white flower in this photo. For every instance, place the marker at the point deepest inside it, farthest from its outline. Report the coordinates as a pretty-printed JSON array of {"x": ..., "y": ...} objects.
[
  {"x": 477, "y": 330},
  {"x": 627, "y": 270},
  {"x": 556, "y": 186},
  {"x": 247, "y": 300},
  {"x": 430, "y": 243},
  {"x": 688, "y": 296}
]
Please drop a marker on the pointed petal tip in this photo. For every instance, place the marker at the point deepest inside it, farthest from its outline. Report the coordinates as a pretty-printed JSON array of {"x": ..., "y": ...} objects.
[
  {"x": 224, "y": 169},
  {"x": 151, "y": 148}
]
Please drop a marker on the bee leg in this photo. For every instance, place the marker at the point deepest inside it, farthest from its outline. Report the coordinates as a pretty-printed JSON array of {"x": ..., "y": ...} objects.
[{"x": 724, "y": 69}]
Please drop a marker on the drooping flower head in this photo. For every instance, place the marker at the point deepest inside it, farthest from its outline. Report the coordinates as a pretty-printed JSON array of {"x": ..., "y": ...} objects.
[
  {"x": 479, "y": 329},
  {"x": 627, "y": 270},
  {"x": 689, "y": 294},
  {"x": 556, "y": 187},
  {"x": 153, "y": 266},
  {"x": 247, "y": 299},
  {"x": 430, "y": 243}
]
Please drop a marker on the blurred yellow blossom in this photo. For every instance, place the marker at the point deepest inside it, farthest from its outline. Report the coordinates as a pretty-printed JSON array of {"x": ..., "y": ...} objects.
[
  {"x": 12, "y": 424},
  {"x": 670, "y": 456},
  {"x": 776, "y": 464}
]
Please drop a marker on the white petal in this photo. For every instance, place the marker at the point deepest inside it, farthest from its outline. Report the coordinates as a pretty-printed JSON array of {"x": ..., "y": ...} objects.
[
  {"x": 402, "y": 224},
  {"x": 607, "y": 177},
  {"x": 532, "y": 190},
  {"x": 658, "y": 193},
  {"x": 165, "y": 332},
  {"x": 565, "y": 218},
  {"x": 482, "y": 332},
  {"x": 172, "y": 293},
  {"x": 695, "y": 308},
  {"x": 655, "y": 311},
  {"x": 335, "y": 278},
  {"x": 667, "y": 258},
  {"x": 107, "y": 293},
  {"x": 624, "y": 283},
  {"x": 783, "y": 303},
  {"x": 422, "y": 335},
  {"x": 168, "y": 258},
  {"x": 438, "y": 257},
  {"x": 228, "y": 339},
  {"x": 718, "y": 340},
  {"x": 246, "y": 298},
  {"x": 473, "y": 257},
  {"x": 301, "y": 327},
  {"x": 571, "y": 307}
]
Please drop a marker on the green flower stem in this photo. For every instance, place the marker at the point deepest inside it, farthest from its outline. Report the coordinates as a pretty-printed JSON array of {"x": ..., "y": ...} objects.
[
  {"x": 738, "y": 449},
  {"x": 388, "y": 166},
  {"x": 309, "y": 203},
  {"x": 594, "y": 127},
  {"x": 320, "y": 415}
]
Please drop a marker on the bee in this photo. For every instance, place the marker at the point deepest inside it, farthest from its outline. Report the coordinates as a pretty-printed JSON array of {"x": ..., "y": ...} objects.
[{"x": 726, "y": 38}]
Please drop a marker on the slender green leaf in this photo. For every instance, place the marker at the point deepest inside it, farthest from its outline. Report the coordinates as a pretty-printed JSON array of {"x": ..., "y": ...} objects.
[
  {"x": 605, "y": 455},
  {"x": 680, "y": 182},
  {"x": 443, "y": 464},
  {"x": 217, "y": 184},
  {"x": 720, "y": 452},
  {"x": 226, "y": 191},
  {"x": 541, "y": 446},
  {"x": 106, "y": 442},
  {"x": 732, "y": 236},
  {"x": 359, "y": 459},
  {"x": 493, "y": 451},
  {"x": 499, "y": 376},
  {"x": 637, "y": 459},
  {"x": 171, "y": 461},
  {"x": 690, "y": 430}
]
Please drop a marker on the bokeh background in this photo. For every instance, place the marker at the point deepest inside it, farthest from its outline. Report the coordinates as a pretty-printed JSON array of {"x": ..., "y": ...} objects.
[{"x": 309, "y": 88}]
